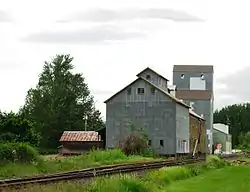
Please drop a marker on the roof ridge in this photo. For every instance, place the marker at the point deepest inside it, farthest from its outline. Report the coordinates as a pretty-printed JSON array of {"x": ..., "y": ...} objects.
[{"x": 168, "y": 94}]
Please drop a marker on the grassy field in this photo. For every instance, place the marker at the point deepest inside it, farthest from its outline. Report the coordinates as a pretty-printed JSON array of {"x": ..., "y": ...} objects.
[
  {"x": 51, "y": 165},
  {"x": 229, "y": 179},
  {"x": 202, "y": 177}
]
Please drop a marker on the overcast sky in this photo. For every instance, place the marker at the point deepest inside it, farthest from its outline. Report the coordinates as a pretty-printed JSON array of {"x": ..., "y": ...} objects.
[{"x": 113, "y": 40}]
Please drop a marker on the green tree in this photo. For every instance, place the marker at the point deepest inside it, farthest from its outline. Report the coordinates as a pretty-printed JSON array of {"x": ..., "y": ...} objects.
[
  {"x": 237, "y": 117},
  {"x": 16, "y": 128},
  {"x": 244, "y": 140},
  {"x": 60, "y": 101}
]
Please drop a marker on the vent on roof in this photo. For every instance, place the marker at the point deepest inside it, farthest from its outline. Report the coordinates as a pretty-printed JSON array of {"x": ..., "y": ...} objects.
[
  {"x": 172, "y": 89},
  {"x": 202, "y": 115},
  {"x": 192, "y": 106}
]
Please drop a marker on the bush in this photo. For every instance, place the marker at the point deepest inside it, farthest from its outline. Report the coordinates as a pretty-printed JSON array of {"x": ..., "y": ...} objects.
[
  {"x": 18, "y": 152},
  {"x": 106, "y": 155},
  {"x": 134, "y": 144}
]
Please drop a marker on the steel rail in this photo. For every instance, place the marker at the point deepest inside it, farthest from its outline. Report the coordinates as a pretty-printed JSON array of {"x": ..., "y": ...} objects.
[
  {"x": 94, "y": 172},
  {"x": 100, "y": 171}
]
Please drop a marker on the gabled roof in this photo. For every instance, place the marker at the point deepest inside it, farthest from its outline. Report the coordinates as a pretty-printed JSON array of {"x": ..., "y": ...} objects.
[
  {"x": 80, "y": 136},
  {"x": 196, "y": 115},
  {"x": 153, "y": 72},
  {"x": 158, "y": 88}
]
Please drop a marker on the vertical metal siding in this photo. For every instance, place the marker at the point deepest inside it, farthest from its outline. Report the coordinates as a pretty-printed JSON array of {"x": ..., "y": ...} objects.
[
  {"x": 182, "y": 129},
  {"x": 155, "y": 113}
]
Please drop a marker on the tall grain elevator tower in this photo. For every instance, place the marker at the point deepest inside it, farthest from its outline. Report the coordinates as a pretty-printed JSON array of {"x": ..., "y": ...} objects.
[{"x": 194, "y": 85}]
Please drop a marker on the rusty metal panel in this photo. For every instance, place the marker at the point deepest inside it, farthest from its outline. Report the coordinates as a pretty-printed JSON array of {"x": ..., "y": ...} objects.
[
  {"x": 193, "y": 68},
  {"x": 80, "y": 136},
  {"x": 194, "y": 94}
]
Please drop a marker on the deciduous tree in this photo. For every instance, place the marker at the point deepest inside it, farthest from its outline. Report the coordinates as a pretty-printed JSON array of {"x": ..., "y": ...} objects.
[{"x": 60, "y": 101}]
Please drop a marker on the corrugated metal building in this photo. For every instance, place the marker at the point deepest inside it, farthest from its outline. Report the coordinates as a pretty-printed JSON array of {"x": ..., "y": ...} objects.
[
  {"x": 221, "y": 136},
  {"x": 195, "y": 86},
  {"x": 148, "y": 103},
  {"x": 76, "y": 142}
]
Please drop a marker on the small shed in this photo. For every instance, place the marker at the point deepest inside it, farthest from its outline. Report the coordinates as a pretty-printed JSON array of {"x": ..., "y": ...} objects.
[{"x": 77, "y": 142}]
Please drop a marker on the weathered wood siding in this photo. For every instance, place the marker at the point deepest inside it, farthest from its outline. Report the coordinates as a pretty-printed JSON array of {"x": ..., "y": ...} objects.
[{"x": 197, "y": 125}]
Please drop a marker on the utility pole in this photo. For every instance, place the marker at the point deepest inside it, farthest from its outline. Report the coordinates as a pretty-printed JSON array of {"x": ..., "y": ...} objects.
[{"x": 86, "y": 118}]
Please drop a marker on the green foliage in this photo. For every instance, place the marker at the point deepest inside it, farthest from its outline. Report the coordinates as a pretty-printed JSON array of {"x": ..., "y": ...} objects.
[
  {"x": 244, "y": 141},
  {"x": 237, "y": 117},
  {"x": 122, "y": 184},
  {"x": 59, "y": 102},
  {"x": 59, "y": 164},
  {"x": 16, "y": 128},
  {"x": 106, "y": 155},
  {"x": 18, "y": 152},
  {"x": 167, "y": 175}
]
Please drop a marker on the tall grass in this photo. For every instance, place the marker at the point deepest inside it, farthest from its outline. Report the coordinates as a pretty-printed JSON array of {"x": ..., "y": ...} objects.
[
  {"x": 93, "y": 158},
  {"x": 158, "y": 180}
]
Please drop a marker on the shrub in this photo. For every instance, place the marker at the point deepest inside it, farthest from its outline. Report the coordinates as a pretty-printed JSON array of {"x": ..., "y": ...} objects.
[
  {"x": 18, "y": 152},
  {"x": 106, "y": 155},
  {"x": 134, "y": 144}
]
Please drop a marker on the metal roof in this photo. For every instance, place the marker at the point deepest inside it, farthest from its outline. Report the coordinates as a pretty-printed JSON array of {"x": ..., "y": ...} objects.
[
  {"x": 155, "y": 86},
  {"x": 149, "y": 69},
  {"x": 80, "y": 136},
  {"x": 195, "y": 114},
  {"x": 194, "y": 68}
]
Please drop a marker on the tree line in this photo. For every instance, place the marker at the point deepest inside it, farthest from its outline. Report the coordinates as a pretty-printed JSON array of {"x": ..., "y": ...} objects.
[
  {"x": 60, "y": 101},
  {"x": 237, "y": 116}
]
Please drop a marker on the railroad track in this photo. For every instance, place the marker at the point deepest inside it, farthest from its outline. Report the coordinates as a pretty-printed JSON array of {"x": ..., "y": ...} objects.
[
  {"x": 93, "y": 172},
  {"x": 98, "y": 171}
]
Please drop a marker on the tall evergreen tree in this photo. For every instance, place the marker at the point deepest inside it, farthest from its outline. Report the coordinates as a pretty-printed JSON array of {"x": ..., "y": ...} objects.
[{"x": 60, "y": 101}]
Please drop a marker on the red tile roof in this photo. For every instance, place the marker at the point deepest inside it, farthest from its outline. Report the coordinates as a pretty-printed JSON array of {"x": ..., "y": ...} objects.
[{"x": 80, "y": 136}]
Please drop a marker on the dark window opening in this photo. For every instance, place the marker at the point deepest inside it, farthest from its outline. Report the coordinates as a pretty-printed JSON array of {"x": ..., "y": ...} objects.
[
  {"x": 202, "y": 76},
  {"x": 152, "y": 90},
  {"x": 182, "y": 76},
  {"x": 140, "y": 91},
  {"x": 148, "y": 77},
  {"x": 129, "y": 91},
  {"x": 161, "y": 143},
  {"x": 149, "y": 142}
]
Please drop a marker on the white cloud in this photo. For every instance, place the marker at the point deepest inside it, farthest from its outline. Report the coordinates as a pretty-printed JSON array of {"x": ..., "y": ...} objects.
[
  {"x": 105, "y": 15},
  {"x": 99, "y": 34}
]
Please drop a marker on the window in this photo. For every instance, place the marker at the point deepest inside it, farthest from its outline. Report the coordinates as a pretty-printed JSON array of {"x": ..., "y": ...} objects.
[
  {"x": 196, "y": 83},
  {"x": 149, "y": 142},
  {"x": 161, "y": 143},
  {"x": 140, "y": 91},
  {"x": 202, "y": 76},
  {"x": 148, "y": 77},
  {"x": 153, "y": 90},
  {"x": 182, "y": 76},
  {"x": 129, "y": 91}
]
